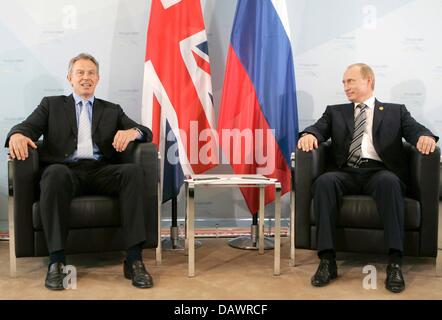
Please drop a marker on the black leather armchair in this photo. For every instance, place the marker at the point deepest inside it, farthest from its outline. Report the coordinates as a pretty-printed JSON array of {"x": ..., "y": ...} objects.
[
  {"x": 95, "y": 220},
  {"x": 359, "y": 227}
]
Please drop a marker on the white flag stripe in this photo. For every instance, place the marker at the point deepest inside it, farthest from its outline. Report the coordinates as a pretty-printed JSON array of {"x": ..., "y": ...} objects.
[
  {"x": 167, "y": 110},
  {"x": 168, "y": 3},
  {"x": 281, "y": 9},
  {"x": 200, "y": 78}
]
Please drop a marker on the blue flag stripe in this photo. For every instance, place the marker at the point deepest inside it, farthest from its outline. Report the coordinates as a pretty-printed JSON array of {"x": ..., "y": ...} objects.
[{"x": 173, "y": 176}]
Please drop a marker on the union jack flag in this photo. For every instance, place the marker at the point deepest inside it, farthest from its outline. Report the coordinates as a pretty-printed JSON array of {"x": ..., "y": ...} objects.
[{"x": 177, "y": 91}]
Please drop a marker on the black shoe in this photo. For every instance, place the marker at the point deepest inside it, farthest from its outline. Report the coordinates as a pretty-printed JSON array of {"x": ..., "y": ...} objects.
[
  {"x": 395, "y": 280},
  {"x": 138, "y": 274},
  {"x": 55, "y": 276},
  {"x": 327, "y": 271}
]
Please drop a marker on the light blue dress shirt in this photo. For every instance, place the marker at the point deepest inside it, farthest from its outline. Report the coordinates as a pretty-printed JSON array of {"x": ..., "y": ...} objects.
[{"x": 97, "y": 155}]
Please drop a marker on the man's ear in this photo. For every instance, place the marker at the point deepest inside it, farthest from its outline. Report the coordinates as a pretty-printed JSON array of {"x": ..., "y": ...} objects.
[{"x": 69, "y": 78}]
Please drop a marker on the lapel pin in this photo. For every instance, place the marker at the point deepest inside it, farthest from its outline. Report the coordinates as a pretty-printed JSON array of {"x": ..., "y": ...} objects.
[{"x": 381, "y": 108}]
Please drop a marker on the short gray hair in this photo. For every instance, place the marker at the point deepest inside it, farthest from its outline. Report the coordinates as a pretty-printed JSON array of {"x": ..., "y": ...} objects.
[
  {"x": 366, "y": 71},
  {"x": 83, "y": 56}
]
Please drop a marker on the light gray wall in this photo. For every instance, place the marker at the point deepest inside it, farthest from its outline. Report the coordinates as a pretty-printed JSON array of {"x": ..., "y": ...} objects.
[{"x": 399, "y": 38}]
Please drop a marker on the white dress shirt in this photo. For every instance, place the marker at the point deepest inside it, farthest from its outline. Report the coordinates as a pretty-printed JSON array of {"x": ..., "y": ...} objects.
[{"x": 367, "y": 147}]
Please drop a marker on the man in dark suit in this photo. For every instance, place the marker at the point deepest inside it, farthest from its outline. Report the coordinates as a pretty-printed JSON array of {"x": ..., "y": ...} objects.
[
  {"x": 81, "y": 133},
  {"x": 367, "y": 150}
]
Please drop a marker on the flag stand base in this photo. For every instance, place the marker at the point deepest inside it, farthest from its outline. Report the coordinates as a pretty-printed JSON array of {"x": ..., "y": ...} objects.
[
  {"x": 251, "y": 242},
  {"x": 174, "y": 242}
]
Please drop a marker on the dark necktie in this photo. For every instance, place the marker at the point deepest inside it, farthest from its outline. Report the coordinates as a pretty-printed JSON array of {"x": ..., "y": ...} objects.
[{"x": 354, "y": 156}]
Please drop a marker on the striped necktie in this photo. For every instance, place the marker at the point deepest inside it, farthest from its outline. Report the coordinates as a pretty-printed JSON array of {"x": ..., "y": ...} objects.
[
  {"x": 354, "y": 156},
  {"x": 84, "y": 147}
]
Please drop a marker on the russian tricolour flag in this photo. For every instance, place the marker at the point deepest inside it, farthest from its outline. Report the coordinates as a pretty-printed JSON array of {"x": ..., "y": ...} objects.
[
  {"x": 177, "y": 91},
  {"x": 259, "y": 94}
]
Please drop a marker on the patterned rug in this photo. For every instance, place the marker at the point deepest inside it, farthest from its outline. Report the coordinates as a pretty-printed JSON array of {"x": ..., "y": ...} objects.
[
  {"x": 202, "y": 232},
  {"x": 225, "y": 232},
  {"x": 4, "y": 235}
]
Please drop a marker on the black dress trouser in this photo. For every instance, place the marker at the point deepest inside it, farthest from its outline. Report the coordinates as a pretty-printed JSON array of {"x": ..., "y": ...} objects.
[
  {"x": 383, "y": 185},
  {"x": 60, "y": 183}
]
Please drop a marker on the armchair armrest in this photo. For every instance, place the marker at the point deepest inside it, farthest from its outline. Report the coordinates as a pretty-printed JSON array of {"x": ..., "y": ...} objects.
[
  {"x": 308, "y": 166},
  {"x": 424, "y": 186},
  {"x": 143, "y": 153},
  {"x": 22, "y": 175}
]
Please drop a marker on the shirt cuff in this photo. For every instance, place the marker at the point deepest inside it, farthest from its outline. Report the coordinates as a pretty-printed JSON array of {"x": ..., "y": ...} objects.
[{"x": 140, "y": 134}]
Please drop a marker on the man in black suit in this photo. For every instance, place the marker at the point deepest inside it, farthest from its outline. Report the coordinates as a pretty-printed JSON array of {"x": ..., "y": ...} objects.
[
  {"x": 367, "y": 150},
  {"x": 81, "y": 133}
]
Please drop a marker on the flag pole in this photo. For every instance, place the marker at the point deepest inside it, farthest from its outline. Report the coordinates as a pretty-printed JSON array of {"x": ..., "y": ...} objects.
[
  {"x": 250, "y": 242},
  {"x": 175, "y": 242}
]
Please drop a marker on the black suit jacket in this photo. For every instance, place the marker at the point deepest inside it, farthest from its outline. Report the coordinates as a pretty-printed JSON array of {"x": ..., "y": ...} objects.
[
  {"x": 391, "y": 123},
  {"x": 56, "y": 120}
]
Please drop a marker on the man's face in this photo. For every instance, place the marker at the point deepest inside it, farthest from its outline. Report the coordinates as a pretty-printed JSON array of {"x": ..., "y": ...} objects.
[
  {"x": 356, "y": 88},
  {"x": 84, "y": 78}
]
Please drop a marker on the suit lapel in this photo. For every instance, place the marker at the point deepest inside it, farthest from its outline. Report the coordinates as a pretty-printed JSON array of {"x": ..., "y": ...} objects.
[
  {"x": 71, "y": 114},
  {"x": 378, "y": 116},
  {"x": 349, "y": 117},
  {"x": 97, "y": 111}
]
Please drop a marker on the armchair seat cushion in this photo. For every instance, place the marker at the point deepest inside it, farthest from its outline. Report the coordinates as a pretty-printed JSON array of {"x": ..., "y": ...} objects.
[
  {"x": 359, "y": 211},
  {"x": 87, "y": 212}
]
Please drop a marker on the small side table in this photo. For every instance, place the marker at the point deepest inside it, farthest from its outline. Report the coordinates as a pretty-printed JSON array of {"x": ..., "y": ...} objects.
[{"x": 229, "y": 180}]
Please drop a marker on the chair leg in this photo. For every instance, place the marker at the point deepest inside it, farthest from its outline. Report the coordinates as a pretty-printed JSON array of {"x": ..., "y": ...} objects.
[
  {"x": 439, "y": 244},
  {"x": 439, "y": 255},
  {"x": 158, "y": 251},
  {"x": 12, "y": 262},
  {"x": 158, "y": 256},
  {"x": 439, "y": 263},
  {"x": 12, "y": 257},
  {"x": 292, "y": 260}
]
